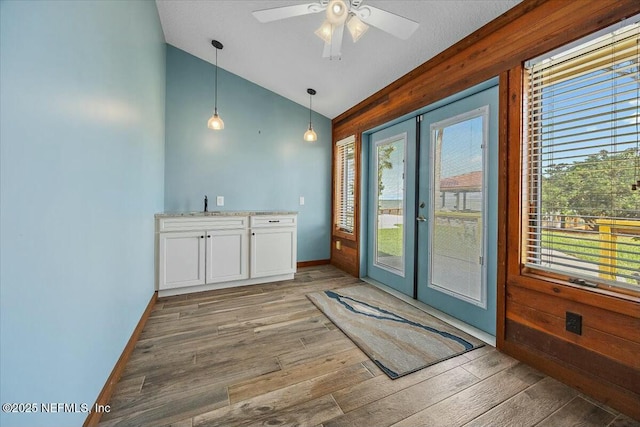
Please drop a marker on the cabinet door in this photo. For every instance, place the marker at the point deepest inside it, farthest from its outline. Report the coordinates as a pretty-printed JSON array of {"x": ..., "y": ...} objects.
[
  {"x": 181, "y": 259},
  {"x": 273, "y": 251},
  {"x": 227, "y": 255}
]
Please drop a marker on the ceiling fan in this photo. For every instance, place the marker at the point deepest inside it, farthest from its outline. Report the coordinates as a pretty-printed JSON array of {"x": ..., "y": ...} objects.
[{"x": 340, "y": 13}]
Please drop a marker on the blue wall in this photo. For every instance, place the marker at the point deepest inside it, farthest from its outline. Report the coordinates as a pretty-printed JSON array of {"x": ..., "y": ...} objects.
[
  {"x": 258, "y": 162},
  {"x": 81, "y": 175}
]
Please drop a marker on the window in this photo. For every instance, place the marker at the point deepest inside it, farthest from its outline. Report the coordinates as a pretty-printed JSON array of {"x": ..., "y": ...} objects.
[
  {"x": 344, "y": 204},
  {"x": 458, "y": 204},
  {"x": 581, "y": 162},
  {"x": 390, "y": 191}
]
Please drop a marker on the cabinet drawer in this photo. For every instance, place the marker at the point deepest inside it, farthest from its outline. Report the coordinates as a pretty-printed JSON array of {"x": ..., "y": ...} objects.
[
  {"x": 202, "y": 223},
  {"x": 273, "y": 221}
]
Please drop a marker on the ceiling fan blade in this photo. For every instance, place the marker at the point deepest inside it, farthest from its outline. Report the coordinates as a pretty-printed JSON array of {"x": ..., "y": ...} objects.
[
  {"x": 333, "y": 50},
  {"x": 276, "y": 13},
  {"x": 391, "y": 23}
]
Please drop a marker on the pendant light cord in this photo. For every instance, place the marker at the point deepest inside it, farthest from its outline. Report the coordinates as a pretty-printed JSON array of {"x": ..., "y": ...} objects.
[
  {"x": 310, "y": 100},
  {"x": 216, "y": 87}
]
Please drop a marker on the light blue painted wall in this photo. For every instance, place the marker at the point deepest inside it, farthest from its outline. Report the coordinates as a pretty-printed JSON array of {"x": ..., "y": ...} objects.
[
  {"x": 81, "y": 174},
  {"x": 258, "y": 162}
]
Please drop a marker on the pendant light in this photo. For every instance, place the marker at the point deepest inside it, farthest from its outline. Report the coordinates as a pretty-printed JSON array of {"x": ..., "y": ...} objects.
[
  {"x": 215, "y": 122},
  {"x": 310, "y": 135}
]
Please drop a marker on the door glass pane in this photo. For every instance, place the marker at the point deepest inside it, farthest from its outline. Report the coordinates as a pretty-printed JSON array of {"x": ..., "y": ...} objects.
[
  {"x": 457, "y": 206},
  {"x": 389, "y": 250}
]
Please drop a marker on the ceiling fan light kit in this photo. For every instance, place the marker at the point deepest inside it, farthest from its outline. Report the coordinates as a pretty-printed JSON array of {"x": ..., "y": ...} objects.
[
  {"x": 337, "y": 12},
  {"x": 340, "y": 13},
  {"x": 356, "y": 27},
  {"x": 325, "y": 31},
  {"x": 215, "y": 122}
]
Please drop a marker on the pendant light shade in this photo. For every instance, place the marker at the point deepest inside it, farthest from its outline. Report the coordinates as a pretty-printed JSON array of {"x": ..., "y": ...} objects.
[
  {"x": 310, "y": 135},
  {"x": 215, "y": 122}
]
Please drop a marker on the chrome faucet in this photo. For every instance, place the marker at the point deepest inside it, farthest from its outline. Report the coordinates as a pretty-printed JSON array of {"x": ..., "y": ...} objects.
[{"x": 206, "y": 202}]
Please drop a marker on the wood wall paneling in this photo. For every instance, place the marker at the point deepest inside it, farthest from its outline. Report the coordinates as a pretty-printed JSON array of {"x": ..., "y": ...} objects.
[
  {"x": 347, "y": 257},
  {"x": 529, "y": 29},
  {"x": 531, "y": 309},
  {"x": 605, "y": 379},
  {"x": 608, "y": 333}
]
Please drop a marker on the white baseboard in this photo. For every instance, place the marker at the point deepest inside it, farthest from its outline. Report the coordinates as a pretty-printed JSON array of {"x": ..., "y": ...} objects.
[{"x": 223, "y": 285}]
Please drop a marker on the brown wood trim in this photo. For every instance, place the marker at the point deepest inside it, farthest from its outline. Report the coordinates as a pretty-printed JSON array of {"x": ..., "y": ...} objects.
[
  {"x": 605, "y": 321},
  {"x": 526, "y": 31},
  {"x": 620, "y": 349},
  {"x": 503, "y": 205},
  {"x": 302, "y": 264},
  {"x": 513, "y": 163},
  {"x": 105, "y": 395},
  {"x": 383, "y": 95},
  {"x": 333, "y": 184},
  {"x": 344, "y": 235},
  {"x": 588, "y": 363},
  {"x": 565, "y": 279},
  {"x": 617, "y": 303},
  {"x": 348, "y": 262}
]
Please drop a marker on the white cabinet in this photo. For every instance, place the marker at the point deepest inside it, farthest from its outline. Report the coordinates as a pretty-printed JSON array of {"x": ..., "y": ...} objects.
[
  {"x": 182, "y": 259},
  {"x": 201, "y": 252},
  {"x": 227, "y": 255},
  {"x": 196, "y": 251},
  {"x": 273, "y": 245}
]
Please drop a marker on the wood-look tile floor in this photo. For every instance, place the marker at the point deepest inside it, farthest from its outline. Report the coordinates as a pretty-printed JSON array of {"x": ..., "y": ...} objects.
[{"x": 264, "y": 355}]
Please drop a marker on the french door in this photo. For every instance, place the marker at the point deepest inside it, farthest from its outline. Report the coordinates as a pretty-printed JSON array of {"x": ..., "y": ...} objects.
[
  {"x": 391, "y": 206},
  {"x": 457, "y": 245},
  {"x": 432, "y": 208}
]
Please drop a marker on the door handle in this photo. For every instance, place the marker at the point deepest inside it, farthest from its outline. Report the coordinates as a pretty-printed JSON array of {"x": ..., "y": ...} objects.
[{"x": 421, "y": 218}]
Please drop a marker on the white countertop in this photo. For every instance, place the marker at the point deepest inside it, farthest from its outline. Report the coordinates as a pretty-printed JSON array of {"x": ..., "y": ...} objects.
[{"x": 222, "y": 213}]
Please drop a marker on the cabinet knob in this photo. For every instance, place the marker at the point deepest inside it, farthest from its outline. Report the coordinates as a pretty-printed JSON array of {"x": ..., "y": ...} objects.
[
  {"x": 202, "y": 237},
  {"x": 253, "y": 234},
  {"x": 208, "y": 236}
]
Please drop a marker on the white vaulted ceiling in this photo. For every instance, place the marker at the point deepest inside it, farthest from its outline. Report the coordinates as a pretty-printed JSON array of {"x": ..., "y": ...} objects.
[{"x": 286, "y": 56}]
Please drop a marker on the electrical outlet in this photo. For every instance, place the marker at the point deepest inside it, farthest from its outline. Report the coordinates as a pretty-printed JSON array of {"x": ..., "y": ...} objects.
[
  {"x": 220, "y": 201},
  {"x": 301, "y": 200},
  {"x": 573, "y": 323}
]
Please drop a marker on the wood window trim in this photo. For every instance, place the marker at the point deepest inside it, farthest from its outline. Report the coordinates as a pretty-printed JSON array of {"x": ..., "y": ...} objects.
[
  {"x": 576, "y": 107},
  {"x": 335, "y": 232},
  {"x": 511, "y": 272},
  {"x": 516, "y": 84},
  {"x": 345, "y": 247},
  {"x": 344, "y": 235}
]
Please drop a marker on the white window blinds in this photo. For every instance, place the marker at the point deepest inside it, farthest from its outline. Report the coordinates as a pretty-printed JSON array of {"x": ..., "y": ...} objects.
[
  {"x": 345, "y": 182},
  {"x": 581, "y": 162}
]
